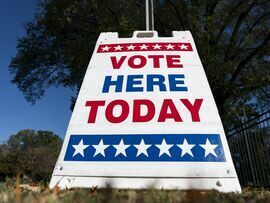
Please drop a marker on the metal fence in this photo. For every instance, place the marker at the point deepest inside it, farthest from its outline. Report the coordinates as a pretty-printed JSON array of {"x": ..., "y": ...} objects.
[{"x": 250, "y": 150}]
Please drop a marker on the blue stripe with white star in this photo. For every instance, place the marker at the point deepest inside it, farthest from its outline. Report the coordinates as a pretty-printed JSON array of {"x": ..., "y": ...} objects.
[{"x": 146, "y": 147}]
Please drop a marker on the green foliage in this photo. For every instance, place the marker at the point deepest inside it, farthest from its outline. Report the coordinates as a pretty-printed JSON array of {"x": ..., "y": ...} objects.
[
  {"x": 30, "y": 153},
  {"x": 5, "y": 165},
  {"x": 232, "y": 37}
]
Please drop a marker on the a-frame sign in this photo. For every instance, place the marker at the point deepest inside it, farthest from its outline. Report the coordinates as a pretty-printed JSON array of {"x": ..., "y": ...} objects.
[{"x": 145, "y": 116}]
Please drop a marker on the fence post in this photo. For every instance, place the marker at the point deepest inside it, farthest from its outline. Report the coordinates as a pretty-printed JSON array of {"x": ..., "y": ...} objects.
[{"x": 249, "y": 155}]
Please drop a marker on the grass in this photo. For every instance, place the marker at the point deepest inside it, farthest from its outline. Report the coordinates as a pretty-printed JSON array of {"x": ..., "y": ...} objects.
[{"x": 9, "y": 194}]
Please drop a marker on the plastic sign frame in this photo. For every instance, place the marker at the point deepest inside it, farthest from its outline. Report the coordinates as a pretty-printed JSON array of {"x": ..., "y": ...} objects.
[{"x": 145, "y": 116}]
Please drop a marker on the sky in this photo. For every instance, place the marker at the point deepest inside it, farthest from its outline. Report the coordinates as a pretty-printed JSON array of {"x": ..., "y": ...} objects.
[{"x": 52, "y": 111}]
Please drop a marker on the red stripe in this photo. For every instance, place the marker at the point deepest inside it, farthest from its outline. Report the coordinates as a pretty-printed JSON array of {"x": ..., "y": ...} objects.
[{"x": 128, "y": 47}]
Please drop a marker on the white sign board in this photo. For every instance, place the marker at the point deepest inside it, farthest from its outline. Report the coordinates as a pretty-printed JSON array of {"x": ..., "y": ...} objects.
[{"x": 145, "y": 116}]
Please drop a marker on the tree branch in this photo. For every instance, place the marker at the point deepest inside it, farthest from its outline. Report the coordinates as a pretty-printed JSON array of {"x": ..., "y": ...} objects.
[
  {"x": 210, "y": 7},
  {"x": 161, "y": 25},
  {"x": 244, "y": 62},
  {"x": 228, "y": 19},
  {"x": 266, "y": 94},
  {"x": 237, "y": 26},
  {"x": 249, "y": 57},
  {"x": 178, "y": 15},
  {"x": 252, "y": 27}
]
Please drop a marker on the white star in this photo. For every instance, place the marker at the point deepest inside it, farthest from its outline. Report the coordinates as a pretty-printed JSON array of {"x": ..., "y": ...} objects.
[
  {"x": 209, "y": 148},
  {"x": 121, "y": 148},
  {"x": 106, "y": 48},
  {"x": 79, "y": 148},
  {"x": 100, "y": 148},
  {"x": 164, "y": 148},
  {"x": 142, "y": 148},
  {"x": 131, "y": 47},
  {"x": 118, "y": 48},
  {"x": 143, "y": 47},
  {"x": 156, "y": 46},
  {"x": 186, "y": 148},
  {"x": 169, "y": 46},
  {"x": 183, "y": 47}
]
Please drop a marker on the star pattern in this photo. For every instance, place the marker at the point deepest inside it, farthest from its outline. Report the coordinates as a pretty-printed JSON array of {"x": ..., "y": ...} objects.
[
  {"x": 100, "y": 148},
  {"x": 169, "y": 46},
  {"x": 118, "y": 48},
  {"x": 142, "y": 148},
  {"x": 106, "y": 48},
  {"x": 186, "y": 148},
  {"x": 157, "y": 46},
  {"x": 79, "y": 148},
  {"x": 209, "y": 148},
  {"x": 143, "y": 47},
  {"x": 182, "y": 47},
  {"x": 166, "y": 147},
  {"x": 121, "y": 148},
  {"x": 131, "y": 47},
  {"x": 161, "y": 46}
]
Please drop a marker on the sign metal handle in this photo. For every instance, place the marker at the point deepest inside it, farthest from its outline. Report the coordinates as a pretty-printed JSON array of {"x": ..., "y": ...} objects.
[{"x": 149, "y": 14}]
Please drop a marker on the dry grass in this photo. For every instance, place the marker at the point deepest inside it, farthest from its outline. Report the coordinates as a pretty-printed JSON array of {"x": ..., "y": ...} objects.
[{"x": 19, "y": 194}]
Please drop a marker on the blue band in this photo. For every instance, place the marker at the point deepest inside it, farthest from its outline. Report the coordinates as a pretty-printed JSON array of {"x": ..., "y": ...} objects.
[{"x": 201, "y": 148}]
